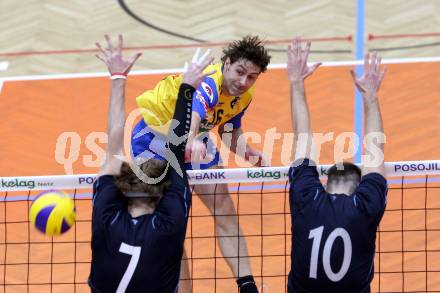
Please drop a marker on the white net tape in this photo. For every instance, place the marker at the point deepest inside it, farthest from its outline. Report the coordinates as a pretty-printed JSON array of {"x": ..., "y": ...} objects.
[{"x": 233, "y": 175}]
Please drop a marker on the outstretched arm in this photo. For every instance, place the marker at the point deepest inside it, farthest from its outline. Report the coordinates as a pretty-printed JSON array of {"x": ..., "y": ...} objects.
[
  {"x": 177, "y": 199},
  {"x": 192, "y": 77},
  {"x": 368, "y": 85},
  {"x": 298, "y": 71},
  {"x": 118, "y": 67}
]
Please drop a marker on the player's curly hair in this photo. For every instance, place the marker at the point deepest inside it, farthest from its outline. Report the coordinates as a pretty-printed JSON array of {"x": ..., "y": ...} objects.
[
  {"x": 250, "y": 48},
  {"x": 128, "y": 181}
]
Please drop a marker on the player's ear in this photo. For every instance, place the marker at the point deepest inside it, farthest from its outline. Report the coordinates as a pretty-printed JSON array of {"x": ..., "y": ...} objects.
[{"x": 227, "y": 64}]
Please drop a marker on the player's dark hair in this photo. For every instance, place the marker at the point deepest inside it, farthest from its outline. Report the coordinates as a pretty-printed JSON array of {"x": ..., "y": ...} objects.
[
  {"x": 344, "y": 170},
  {"x": 128, "y": 181},
  {"x": 250, "y": 48}
]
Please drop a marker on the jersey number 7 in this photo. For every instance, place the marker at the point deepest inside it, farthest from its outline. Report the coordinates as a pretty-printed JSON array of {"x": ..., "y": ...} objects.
[{"x": 135, "y": 252}]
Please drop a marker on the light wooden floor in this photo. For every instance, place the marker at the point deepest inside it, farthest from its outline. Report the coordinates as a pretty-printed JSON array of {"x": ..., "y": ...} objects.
[{"x": 39, "y": 26}]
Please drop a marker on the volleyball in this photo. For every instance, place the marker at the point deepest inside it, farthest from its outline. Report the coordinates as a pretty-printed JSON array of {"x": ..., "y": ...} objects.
[{"x": 52, "y": 212}]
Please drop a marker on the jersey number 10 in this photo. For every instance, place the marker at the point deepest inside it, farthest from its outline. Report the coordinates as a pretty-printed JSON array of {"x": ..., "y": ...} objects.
[{"x": 316, "y": 235}]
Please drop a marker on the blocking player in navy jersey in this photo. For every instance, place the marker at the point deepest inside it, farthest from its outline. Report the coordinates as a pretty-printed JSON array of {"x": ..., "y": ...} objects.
[
  {"x": 334, "y": 229},
  {"x": 138, "y": 226}
]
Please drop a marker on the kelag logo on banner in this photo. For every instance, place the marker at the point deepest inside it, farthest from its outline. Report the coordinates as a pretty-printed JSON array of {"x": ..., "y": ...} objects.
[
  {"x": 264, "y": 174},
  {"x": 30, "y": 184}
]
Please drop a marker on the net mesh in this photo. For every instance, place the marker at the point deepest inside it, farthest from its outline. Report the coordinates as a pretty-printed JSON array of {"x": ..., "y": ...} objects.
[{"x": 407, "y": 247}]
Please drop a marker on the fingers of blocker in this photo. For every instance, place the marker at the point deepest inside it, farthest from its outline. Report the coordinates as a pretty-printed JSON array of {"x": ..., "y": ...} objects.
[
  {"x": 295, "y": 46},
  {"x": 204, "y": 61},
  {"x": 209, "y": 73},
  {"x": 100, "y": 47},
  {"x": 120, "y": 42},
  {"x": 103, "y": 59},
  {"x": 316, "y": 65},
  {"x": 292, "y": 47},
  {"x": 366, "y": 62},
  {"x": 307, "y": 50},
  {"x": 298, "y": 46},
  {"x": 373, "y": 64},
  {"x": 289, "y": 50},
  {"x": 353, "y": 75},
  {"x": 135, "y": 57},
  {"x": 109, "y": 43},
  {"x": 100, "y": 57},
  {"x": 196, "y": 56},
  {"x": 382, "y": 72},
  {"x": 379, "y": 60}
]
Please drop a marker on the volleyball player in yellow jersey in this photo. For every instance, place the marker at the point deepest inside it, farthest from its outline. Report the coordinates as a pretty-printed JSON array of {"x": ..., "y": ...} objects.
[{"x": 220, "y": 100}]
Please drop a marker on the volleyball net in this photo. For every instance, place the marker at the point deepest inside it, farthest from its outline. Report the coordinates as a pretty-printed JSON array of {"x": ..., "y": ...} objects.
[{"x": 407, "y": 246}]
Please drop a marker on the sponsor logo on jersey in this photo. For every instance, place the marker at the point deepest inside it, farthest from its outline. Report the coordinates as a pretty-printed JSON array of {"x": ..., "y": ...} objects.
[
  {"x": 208, "y": 91},
  {"x": 234, "y": 101},
  {"x": 199, "y": 96}
]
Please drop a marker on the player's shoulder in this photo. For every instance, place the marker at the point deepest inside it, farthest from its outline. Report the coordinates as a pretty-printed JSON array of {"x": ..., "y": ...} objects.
[
  {"x": 304, "y": 180},
  {"x": 371, "y": 194},
  {"x": 163, "y": 90},
  {"x": 250, "y": 92},
  {"x": 373, "y": 183},
  {"x": 246, "y": 97}
]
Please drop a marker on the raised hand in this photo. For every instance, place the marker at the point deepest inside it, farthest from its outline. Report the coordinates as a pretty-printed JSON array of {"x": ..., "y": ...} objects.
[
  {"x": 369, "y": 83},
  {"x": 297, "y": 67},
  {"x": 196, "y": 152},
  {"x": 193, "y": 74},
  {"x": 112, "y": 57}
]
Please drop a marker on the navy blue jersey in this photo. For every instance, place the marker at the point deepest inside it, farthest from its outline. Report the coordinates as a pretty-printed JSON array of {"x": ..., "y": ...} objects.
[
  {"x": 142, "y": 254},
  {"x": 333, "y": 235}
]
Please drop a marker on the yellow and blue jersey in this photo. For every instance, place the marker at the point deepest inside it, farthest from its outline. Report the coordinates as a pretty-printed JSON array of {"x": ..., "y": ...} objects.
[{"x": 214, "y": 107}]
